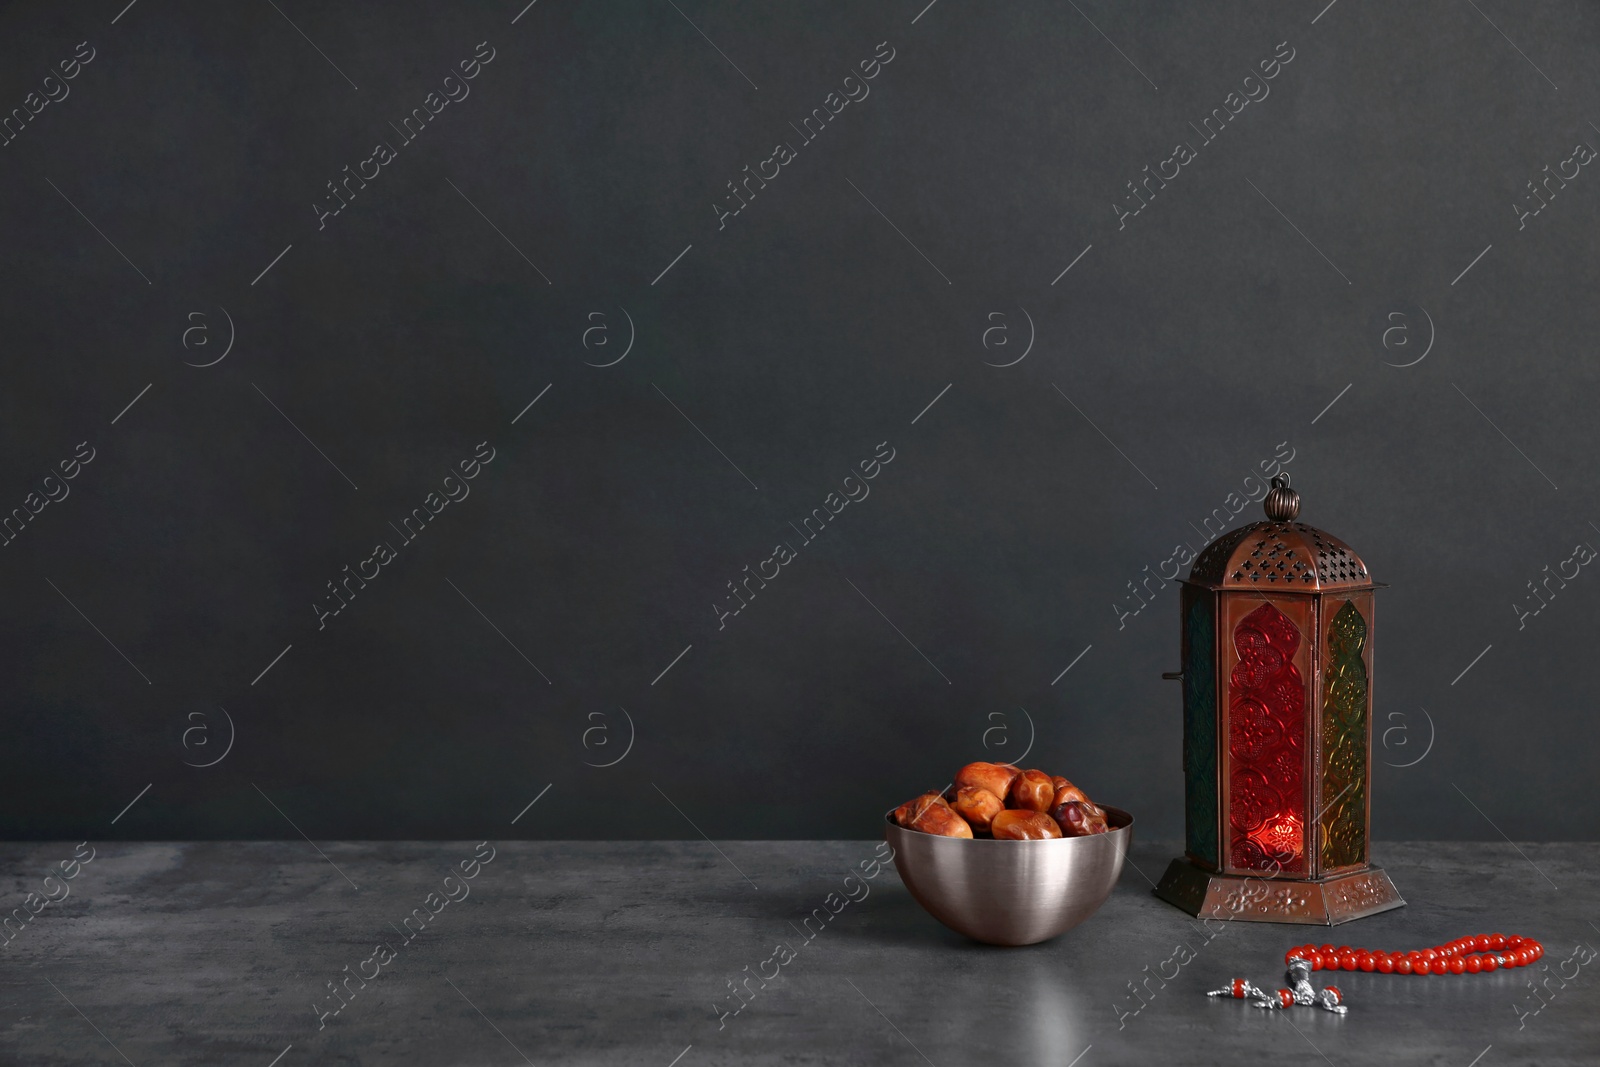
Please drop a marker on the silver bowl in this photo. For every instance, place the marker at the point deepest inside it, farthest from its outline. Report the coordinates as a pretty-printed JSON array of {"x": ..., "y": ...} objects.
[{"x": 1011, "y": 892}]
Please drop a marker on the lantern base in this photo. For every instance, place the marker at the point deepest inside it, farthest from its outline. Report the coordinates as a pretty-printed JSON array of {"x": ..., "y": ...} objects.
[{"x": 1328, "y": 901}]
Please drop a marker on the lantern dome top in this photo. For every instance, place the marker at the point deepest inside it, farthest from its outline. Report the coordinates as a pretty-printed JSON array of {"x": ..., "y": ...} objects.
[{"x": 1280, "y": 553}]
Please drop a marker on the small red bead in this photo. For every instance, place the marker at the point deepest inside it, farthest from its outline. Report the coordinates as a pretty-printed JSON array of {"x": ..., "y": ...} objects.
[
  {"x": 1538, "y": 948},
  {"x": 1474, "y": 964},
  {"x": 1497, "y": 941},
  {"x": 1458, "y": 965},
  {"x": 1479, "y": 943},
  {"x": 1365, "y": 961},
  {"x": 1326, "y": 949},
  {"x": 1490, "y": 963},
  {"x": 1402, "y": 965},
  {"x": 1421, "y": 967},
  {"x": 1316, "y": 961},
  {"x": 1348, "y": 961},
  {"x": 1430, "y": 954},
  {"x": 1385, "y": 964}
]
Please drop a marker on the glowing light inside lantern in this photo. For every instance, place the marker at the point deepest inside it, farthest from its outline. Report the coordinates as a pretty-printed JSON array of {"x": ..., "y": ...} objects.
[{"x": 1280, "y": 837}]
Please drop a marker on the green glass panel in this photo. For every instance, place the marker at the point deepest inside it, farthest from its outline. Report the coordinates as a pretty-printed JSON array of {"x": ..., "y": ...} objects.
[
  {"x": 1344, "y": 742},
  {"x": 1200, "y": 728}
]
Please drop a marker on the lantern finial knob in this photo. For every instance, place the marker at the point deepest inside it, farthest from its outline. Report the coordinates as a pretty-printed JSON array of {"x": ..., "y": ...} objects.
[{"x": 1282, "y": 504}]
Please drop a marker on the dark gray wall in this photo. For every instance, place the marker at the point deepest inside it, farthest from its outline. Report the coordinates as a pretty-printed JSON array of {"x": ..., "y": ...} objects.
[{"x": 932, "y": 621}]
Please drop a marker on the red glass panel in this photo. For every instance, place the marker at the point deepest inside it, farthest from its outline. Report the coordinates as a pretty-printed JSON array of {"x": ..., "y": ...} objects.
[{"x": 1266, "y": 746}]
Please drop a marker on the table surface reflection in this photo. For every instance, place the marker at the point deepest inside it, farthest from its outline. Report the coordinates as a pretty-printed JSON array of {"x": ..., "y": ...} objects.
[{"x": 631, "y": 952}]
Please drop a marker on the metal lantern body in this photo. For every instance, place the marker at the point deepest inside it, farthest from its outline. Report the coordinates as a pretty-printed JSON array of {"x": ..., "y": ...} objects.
[{"x": 1277, "y": 728}]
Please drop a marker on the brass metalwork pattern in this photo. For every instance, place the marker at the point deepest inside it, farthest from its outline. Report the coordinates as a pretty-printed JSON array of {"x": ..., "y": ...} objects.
[
  {"x": 1279, "y": 555},
  {"x": 1344, "y": 742}
]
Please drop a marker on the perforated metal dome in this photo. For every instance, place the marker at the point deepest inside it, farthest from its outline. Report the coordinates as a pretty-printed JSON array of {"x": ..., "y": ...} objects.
[{"x": 1280, "y": 553}]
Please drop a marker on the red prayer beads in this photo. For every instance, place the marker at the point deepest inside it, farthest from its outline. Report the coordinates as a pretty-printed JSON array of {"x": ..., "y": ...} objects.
[{"x": 1481, "y": 953}]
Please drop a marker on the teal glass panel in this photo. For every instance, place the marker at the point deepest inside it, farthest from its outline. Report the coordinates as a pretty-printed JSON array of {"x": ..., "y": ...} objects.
[{"x": 1200, "y": 727}]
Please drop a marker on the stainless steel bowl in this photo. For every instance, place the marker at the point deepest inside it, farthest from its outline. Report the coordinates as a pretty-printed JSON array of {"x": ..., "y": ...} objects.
[{"x": 1011, "y": 892}]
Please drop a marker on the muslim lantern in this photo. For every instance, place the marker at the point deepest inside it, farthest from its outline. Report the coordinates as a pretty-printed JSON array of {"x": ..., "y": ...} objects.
[{"x": 1277, "y": 727}]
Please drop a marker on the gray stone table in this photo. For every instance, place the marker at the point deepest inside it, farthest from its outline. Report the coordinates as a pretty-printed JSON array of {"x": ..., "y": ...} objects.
[{"x": 625, "y": 953}]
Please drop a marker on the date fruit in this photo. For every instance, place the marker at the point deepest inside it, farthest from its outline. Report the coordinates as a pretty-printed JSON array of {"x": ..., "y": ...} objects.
[
  {"x": 1078, "y": 818},
  {"x": 977, "y": 806},
  {"x": 941, "y": 820},
  {"x": 1017, "y": 825},
  {"x": 1032, "y": 791},
  {"x": 1004, "y": 801},
  {"x": 908, "y": 812},
  {"x": 1066, "y": 791},
  {"x": 995, "y": 777},
  {"x": 930, "y": 814}
]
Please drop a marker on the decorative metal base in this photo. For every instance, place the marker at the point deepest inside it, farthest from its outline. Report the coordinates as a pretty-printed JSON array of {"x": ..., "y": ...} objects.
[{"x": 1323, "y": 902}]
